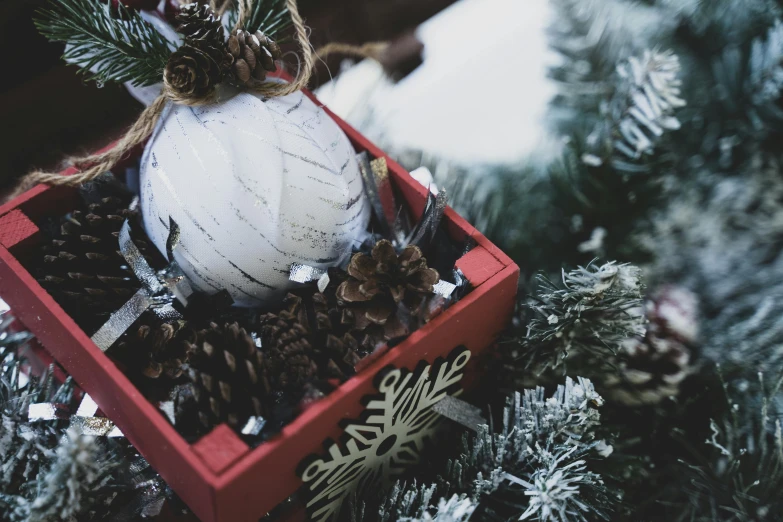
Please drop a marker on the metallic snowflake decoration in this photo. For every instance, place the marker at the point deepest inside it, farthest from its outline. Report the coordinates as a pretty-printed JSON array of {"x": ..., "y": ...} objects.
[{"x": 389, "y": 438}]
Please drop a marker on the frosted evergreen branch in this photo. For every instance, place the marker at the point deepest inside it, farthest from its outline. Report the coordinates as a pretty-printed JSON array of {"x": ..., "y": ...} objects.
[
  {"x": 595, "y": 310},
  {"x": 743, "y": 474},
  {"x": 455, "y": 509},
  {"x": 750, "y": 80},
  {"x": 80, "y": 470},
  {"x": 25, "y": 448},
  {"x": 640, "y": 112},
  {"x": 554, "y": 488},
  {"x": 109, "y": 43}
]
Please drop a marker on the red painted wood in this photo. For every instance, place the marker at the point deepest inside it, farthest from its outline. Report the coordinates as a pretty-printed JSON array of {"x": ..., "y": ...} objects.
[
  {"x": 218, "y": 477},
  {"x": 220, "y": 448},
  {"x": 478, "y": 265},
  {"x": 16, "y": 227}
]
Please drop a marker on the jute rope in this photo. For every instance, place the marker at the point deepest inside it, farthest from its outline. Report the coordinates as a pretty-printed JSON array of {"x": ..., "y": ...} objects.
[{"x": 94, "y": 165}]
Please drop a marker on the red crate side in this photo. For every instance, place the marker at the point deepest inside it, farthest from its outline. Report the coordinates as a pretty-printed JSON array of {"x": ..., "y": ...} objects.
[
  {"x": 220, "y": 448},
  {"x": 479, "y": 265},
  {"x": 16, "y": 228},
  {"x": 269, "y": 472},
  {"x": 139, "y": 420},
  {"x": 23, "y": 198}
]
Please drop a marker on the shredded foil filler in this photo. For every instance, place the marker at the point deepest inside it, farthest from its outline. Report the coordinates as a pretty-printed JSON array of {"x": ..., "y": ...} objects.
[
  {"x": 87, "y": 408},
  {"x": 167, "y": 407},
  {"x": 460, "y": 412},
  {"x": 371, "y": 189},
  {"x": 44, "y": 411},
  {"x": 304, "y": 273},
  {"x": 444, "y": 288},
  {"x": 254, "y": 426},
  {"x": 93, "y": 426},
  {"x": 323, "y": 282}
]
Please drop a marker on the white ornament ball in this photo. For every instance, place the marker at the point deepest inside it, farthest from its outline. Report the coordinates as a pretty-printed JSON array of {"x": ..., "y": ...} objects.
[{"x": 254, "y": 185}]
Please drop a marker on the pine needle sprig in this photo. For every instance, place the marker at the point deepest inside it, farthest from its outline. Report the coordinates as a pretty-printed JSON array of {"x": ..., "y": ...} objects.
[
  {"x": 742, "y": 476},
  {"x": 268, "y": 16},
  {"x": 750, "y": 82},
  {"x": 109, "y": 43},
  {"x": 642, "y": 109},
  {"x": 596, "y": 309}
]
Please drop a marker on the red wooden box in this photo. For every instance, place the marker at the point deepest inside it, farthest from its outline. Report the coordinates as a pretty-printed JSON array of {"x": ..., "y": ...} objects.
[{"x": 219, "y": 477}]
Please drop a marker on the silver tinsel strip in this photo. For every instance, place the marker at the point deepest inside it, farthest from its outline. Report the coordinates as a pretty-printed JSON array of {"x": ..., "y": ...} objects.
[
  {"x": 44, "y": 411},
  {"x": 122, "y": 319},
  {"x": 253, "y": 426},
  {"x": 460, "y": 412},
  {"x": 136, "y": 261},
  {"x": 86, "y": 423},
  {"x": 444, "y": 288},
  {"x": 153, "y": 295},
  {"x": 304, "y": 274},
  {"x": 87, "y": 408},
  {"x": 95, "y": 426},
  {"x": 323, "y": 282}
]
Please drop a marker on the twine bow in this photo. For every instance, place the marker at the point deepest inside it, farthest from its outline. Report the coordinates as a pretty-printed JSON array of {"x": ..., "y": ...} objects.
[{"x": 93, "y": 165}]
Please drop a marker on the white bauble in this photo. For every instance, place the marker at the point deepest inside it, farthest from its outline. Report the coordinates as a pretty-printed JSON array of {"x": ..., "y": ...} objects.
[{"x": 254, "y": 185}]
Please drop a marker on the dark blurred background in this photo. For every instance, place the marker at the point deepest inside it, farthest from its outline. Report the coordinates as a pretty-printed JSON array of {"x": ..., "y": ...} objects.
[{"x": 48, "y": 112}]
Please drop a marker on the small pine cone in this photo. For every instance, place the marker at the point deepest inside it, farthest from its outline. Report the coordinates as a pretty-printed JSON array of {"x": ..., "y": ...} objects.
[
  {"x": 253, "y": 55},
  {"x": 155, "y": 349},
  {"x": 674, "y": 312},
  {"x": 82, "y": 267},
  {"x": 285, "y": 342},
  {"x": 192, "y": 71},
  {"x": 198, "y": 23},
  {"x": 652, "y": 368},
  {"x": 379, "y": 284}
]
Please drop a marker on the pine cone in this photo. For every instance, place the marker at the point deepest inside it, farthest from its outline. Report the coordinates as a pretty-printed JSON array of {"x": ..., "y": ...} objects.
[
  {"x": 378, "y": 284},
  {"x": 82, "y": 267},
  {"x": 198, "y": 23},
  {"x": 229, "y": 379},
  {"x": 285, "y": 342},
  {"x": 652, "y": 368},
  {"x": 155, "y": 349},
  {"x": 193, "y": 71},
  {"x": 253, "y": 55}
]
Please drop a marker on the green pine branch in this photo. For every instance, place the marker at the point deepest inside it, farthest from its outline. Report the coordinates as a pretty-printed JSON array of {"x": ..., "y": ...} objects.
[
  {"x": 268, "y": 16},
  {"x": 107, "y": 43}
]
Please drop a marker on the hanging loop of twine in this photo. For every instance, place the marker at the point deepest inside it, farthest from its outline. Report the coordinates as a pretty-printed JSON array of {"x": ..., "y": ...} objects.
[{"x": 94, "y": 165}]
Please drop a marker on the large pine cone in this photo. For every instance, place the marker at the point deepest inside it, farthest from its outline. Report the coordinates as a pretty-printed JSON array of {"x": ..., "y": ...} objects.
[
  {"x": 198, "y": 23},
  {"x": 229, "y": 380},
  {"x": 652, "y": 368},
  {"x": 253, "y": 55},
  {"x": 298, "y": 353},
  {"x": 82, "y": 268},
  {"x": 379, "y": 284}
]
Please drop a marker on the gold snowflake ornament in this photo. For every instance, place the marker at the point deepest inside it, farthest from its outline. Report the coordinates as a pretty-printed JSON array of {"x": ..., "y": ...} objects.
[{"x": 390, "y": 437}]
